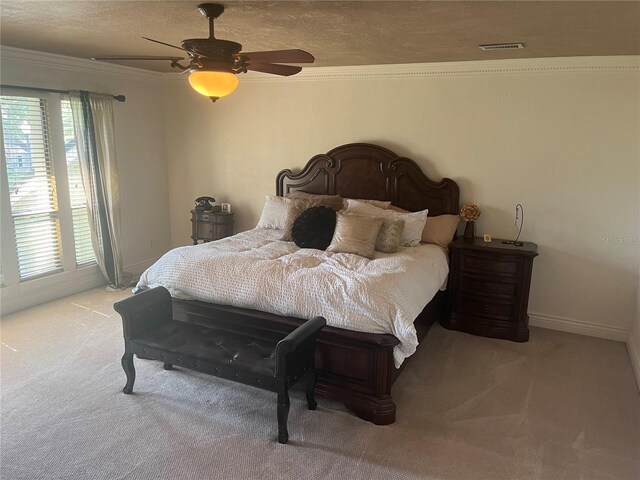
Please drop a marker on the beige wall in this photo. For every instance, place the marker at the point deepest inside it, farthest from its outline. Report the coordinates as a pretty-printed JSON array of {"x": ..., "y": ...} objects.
[
  {"x": 633, "y": 340},
  {"x": 559, "y": 136},
  {"x": 139, "y": 132},
  {"x": 633, "y": 343}
]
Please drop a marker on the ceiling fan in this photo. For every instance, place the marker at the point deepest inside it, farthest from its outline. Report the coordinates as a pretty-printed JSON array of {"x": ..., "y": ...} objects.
[{"x": 214, "y": 63}]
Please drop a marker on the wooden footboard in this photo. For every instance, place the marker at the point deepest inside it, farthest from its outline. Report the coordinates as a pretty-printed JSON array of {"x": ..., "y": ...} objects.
[{"x": 353, "y": 367}]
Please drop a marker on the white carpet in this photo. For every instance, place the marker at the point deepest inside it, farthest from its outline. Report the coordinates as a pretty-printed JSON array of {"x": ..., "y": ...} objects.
[{"x": 559, "y": 406}]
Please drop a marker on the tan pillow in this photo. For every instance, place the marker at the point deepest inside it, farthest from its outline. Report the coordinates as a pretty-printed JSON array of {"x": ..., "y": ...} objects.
[
  {"x": 390, "y": 235},
  {"x": 332, "y": 201},
  {"x": 397, "y": 209},
  {"x": 296, "y": 207},
  {"x": 440, "y": 230},
  {"x": 376, "y": 203},
  {"x": 355, "y": 234}
]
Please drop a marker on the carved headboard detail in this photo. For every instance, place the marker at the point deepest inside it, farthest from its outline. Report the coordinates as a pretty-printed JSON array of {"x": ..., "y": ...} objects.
[{"x": 362, "y": 170}]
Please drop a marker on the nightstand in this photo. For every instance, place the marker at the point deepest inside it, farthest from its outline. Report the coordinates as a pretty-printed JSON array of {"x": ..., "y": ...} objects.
[
  {"x": 489, "y": 288},
  {"x": 209, "y": 225}
]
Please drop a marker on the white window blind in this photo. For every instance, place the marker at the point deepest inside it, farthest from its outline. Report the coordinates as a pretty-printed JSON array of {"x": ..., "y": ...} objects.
[
  {"x": 36, "y": 211},
  {"x": 31, "y": 180}
]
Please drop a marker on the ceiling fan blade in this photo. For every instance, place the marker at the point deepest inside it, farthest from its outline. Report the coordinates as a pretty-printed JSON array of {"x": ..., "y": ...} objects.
[
  {"x": 280, "y": 56},
  {"x": 284, "y": 70},
  {"x": 136, "y": 57},
  {"x": 163, "y": 43}
]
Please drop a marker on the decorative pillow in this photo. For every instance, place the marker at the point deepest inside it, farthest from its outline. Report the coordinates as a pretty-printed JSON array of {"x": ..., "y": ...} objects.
[
  {"x": 355, "y": 234},
  {"x": 376, "y": 203},
  {"x": 275, "y": 212},
  {"x": 314, "y": 228},
  {"x": 397, "y": 209},
  {"x": 332, "y": 201},
  {"x": 390, "y": 235},
  {"x": 296, "y": 207},
  {"x": 440, "y": 230},
  {"x": 413, "y": 226}
]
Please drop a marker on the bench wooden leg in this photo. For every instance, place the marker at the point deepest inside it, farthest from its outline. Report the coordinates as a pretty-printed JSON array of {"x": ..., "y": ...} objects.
[
  {"x": 311, "y": 384},
  {"x": 127, "y": 365},
  {"x": 283, "y": 414}
]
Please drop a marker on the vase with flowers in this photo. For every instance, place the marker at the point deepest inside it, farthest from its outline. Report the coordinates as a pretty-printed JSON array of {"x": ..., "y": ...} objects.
[{"x": 470, "y": 213}]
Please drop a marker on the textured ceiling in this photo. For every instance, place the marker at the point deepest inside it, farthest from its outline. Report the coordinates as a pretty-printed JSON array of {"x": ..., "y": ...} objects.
[{"x": 336, "y": 33}]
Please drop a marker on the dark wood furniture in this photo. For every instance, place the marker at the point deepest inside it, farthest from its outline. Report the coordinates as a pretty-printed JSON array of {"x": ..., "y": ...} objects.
[
  {"x": 354, "y": 367},
  {"x": 275, "y": 365},
  {"x": 210, "y": 225},
  {"x": 489, "y": 288}
]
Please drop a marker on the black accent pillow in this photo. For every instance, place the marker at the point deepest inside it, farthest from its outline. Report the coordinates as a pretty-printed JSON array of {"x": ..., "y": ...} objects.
[{"x": 314, "y": 228}]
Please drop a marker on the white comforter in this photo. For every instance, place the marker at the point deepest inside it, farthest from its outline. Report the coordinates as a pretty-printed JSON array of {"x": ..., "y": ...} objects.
[{"x": 255, "y": 270}]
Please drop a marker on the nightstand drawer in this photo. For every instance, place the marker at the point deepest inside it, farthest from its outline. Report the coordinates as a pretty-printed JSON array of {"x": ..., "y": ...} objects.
[
  {"x": 470, "y": 284},
  {"x": 224, "y": 230},
  {"x": 204, "y": 230},
  {"x": 484, "y": 308},
  {"x": 490, "y": 264}
]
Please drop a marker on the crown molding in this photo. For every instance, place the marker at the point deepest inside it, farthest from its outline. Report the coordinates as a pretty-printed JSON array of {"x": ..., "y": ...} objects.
[
  {"x": 483, "y": 67},
  {"x": 73, "y": 64},
  {"x": 408, "y": 70}
]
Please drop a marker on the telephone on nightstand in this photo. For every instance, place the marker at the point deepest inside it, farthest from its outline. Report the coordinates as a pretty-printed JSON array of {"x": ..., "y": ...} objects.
[{"x": 204, "y": 204}]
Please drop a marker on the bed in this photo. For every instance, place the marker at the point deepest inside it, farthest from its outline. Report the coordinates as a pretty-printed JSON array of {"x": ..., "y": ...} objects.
[{"x": 355, "y": 367}]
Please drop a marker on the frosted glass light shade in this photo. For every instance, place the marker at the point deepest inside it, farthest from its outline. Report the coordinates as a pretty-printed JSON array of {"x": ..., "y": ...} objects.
[{"x": 213, "y": 84}]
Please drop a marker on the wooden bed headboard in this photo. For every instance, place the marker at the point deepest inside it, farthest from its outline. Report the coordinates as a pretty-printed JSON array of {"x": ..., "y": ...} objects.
[{"x": 362, "y": 170}]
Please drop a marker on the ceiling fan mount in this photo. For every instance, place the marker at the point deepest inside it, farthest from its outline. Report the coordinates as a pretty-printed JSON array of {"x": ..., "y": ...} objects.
[
  {"x": 212, "y": 48},
  {"x": 211, "y": 55},
  {"x": 211, "y": 10}
]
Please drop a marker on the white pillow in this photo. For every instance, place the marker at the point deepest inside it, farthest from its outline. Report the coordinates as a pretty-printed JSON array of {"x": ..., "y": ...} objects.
[
  {"x": 413, "y": 221},
  {"x": 275, "y": 212}
]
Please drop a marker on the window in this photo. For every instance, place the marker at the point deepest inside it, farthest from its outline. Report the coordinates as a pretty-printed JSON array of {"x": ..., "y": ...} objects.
[{"x": 44, "y": 187}]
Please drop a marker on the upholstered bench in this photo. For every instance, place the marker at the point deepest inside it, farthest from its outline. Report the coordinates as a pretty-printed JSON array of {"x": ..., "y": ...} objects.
[{"x": 150, "y": 332}]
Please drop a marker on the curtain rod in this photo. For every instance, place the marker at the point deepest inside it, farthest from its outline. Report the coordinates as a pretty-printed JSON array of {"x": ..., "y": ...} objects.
[{"x": 118, "y": 98}]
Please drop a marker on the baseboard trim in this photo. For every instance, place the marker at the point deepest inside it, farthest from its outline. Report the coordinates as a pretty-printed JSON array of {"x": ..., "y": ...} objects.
[
  {"x": 137, "y": 268},
  {"x": 47, "y": 289},
  {"x": 634, "y": 355},
  {"x": 581, "y": 328}
]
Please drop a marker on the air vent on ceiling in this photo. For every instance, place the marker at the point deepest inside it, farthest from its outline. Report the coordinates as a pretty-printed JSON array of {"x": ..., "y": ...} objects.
[{"x": 501, "y": 46}]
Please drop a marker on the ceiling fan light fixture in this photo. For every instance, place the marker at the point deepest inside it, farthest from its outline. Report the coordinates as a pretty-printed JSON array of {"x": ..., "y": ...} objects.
[
  {"x": 213, "y": 84},
  {"x": 214, "y": 63}
]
